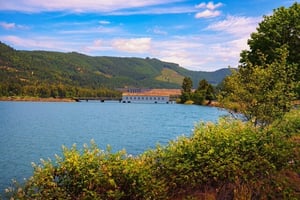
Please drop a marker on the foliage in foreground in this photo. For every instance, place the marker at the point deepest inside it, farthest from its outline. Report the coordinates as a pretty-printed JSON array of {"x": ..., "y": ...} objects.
[{"x": 227, "y": 160}]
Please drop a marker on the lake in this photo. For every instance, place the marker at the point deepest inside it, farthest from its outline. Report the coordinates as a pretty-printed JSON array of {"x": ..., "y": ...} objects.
[{"x": 33, "y": 130}]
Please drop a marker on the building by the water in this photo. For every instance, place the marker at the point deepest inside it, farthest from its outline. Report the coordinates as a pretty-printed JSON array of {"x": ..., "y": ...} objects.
[{"x": 150, "y": 95}]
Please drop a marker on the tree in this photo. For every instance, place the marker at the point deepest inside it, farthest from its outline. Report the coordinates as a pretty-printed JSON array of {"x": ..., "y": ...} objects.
[
  {"x": 280, "y": 30},
  {"x": 262, "y": 93},
  {"x": 206, "y": 90},
  {"x": 268, "y": 75},
  {"x": 187, "y": 85},
  {"x": 198, "y": 97},
  {"x": 210, "y": 93},
  {"x": 203, "y": 85},
  {"x": 186, "y": 92}
]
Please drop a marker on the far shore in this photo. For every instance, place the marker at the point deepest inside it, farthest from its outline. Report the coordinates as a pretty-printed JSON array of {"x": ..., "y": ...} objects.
[
  {"x": 36, "y": 99},
  {"x": 51, "y": 99}
]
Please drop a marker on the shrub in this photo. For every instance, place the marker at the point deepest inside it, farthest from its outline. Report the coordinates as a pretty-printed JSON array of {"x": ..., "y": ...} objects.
[
  {"x": 232, "y": 158},
  {"x": 189, "y": 102},
  {"x": 227, "y": 160},
  {"x": 90, "y": 174}
]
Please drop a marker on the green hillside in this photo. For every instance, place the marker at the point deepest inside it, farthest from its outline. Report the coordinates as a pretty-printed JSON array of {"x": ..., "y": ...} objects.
[{"x": 74, "y": 72}]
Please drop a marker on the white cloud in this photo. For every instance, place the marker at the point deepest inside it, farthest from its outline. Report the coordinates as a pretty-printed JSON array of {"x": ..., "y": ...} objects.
[
  {"x": 213, "y": 6},
  {"x": 78, "y": 5},
  {"x": 239, "y": 26},
  {"x": 210, "y": 5},
  {"x": 96, "y": 46},
  {"x": 195, "y": 52},
  {"x": 100, "y": 29},
  {"x": 9, "y": 26},
  {"x": 210, "y": 10},
  {"x": 229, "y": 39},
  {"x": 113, "y": 7},
  {"x": 157, "y": 10},
  {"x": 37, "y": 43},
  {"x": 98, "y": 43},
  {"x": 201, "y": 5},
  {"x": 134, "y": 45},
  {"x": 207, "y": 14},
  {"x": 158, "y": 30},
  {"x": 104, "y": 22},
  {"x": 185, "y": 57}
]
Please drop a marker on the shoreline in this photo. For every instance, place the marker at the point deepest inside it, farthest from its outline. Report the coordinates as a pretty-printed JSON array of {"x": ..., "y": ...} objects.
[
  {"x": 51, "y": 99},
  {"x": 36, "y": 99}
]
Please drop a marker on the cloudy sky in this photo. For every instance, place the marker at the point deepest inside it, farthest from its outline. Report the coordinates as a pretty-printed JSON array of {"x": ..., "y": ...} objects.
[{"x": 198, "y": 35}]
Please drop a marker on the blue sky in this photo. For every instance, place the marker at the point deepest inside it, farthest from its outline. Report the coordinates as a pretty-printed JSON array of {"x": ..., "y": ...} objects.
[{"x": 198, "y": 35}]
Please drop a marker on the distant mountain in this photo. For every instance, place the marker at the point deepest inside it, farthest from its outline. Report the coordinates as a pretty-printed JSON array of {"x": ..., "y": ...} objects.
[{"x": 79, "y": 70}]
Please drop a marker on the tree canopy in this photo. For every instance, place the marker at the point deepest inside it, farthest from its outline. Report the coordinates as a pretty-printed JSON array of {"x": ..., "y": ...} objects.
[
  {"x": 265, "y": 84},
  {"x": 205, "y": 91},
  {"x": 186, "y": 91},
  {"x": 277, "y": 31},
  {"x": 187, "y": 85}
]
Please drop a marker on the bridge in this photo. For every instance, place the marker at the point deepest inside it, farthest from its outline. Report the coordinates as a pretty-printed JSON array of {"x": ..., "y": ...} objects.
[
  {"x": 119, "y": 99},
  {"x": 173, "y": 94},
  {"x": 101, "y": 99}
]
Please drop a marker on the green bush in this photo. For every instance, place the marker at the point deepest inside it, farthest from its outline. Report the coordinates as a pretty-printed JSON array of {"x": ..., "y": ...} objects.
[
  {"x": 289, "y": 125},
  {"x": 230, "y": 159},
  {"x": 224, "y": 156},
  {"x": 90, "y": 174}
]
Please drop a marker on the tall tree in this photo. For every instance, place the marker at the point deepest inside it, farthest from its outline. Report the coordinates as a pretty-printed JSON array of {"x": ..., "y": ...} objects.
[
  {"x": 186, "y": 92},
  {"x": 203, "y": 85},
  {"x": 187, "y": 85},
  {"x": 210, "y": 93},
  {"x": 263, "y": 92},
  {"x": 282, "y": 29},
  {"x": 265, "y": 84},
  {"x": 206, "y": 90}
]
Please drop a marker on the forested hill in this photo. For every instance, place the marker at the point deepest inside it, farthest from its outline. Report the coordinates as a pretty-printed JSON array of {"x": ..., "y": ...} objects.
[{"x": 36, "y": 68}]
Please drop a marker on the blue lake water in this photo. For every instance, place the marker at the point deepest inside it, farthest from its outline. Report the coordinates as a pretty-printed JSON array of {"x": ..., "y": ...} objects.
[{"x": 33, "y": 130}]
